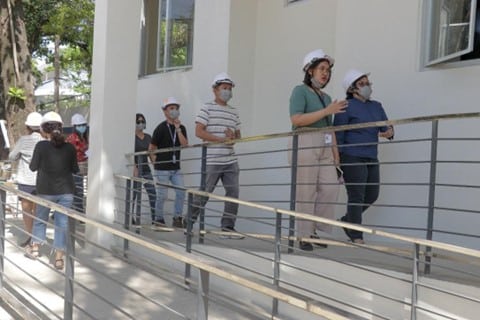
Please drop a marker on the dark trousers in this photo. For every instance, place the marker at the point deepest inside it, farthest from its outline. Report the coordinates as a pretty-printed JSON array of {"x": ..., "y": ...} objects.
[
  {"x": 362, "y": 178},
  {"x": 137, "y": 195}
]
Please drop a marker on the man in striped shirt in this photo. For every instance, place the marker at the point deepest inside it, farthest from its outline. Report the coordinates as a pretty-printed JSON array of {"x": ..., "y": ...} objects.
[{"x": 218, "y": 122}]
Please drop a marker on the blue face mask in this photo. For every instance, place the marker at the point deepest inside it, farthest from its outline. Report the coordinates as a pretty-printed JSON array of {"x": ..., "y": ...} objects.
[{"x": 81, "y": 129}]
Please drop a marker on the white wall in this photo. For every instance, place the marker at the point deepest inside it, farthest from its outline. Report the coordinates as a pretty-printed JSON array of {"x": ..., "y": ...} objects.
[{"x": 262, "y": 45}]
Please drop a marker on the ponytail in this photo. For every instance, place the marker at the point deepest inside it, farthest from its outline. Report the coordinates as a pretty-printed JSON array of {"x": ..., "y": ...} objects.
[{"x": 54, "y": 129}]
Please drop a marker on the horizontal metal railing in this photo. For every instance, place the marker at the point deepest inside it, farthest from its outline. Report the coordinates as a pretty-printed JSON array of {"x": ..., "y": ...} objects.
[
  {"x": 267, "y": 263},
  {"x": 278, "y": 224}
]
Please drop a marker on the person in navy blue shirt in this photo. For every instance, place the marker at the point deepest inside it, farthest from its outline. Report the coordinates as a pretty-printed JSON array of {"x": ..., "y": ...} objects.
[{"x": 358, "y": 148}]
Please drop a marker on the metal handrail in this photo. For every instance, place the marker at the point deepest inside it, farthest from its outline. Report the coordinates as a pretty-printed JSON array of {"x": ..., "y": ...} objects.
[
  {"x": 412, "y": 120},
  {"x": 206, "y": 267}
]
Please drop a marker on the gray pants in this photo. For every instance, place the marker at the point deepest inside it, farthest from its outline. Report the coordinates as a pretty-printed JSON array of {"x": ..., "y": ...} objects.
[{"x": 229, "y": 175}]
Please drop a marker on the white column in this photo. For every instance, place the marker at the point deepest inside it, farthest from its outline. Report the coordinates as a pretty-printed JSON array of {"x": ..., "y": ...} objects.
[{"x": 113, "y": 106}]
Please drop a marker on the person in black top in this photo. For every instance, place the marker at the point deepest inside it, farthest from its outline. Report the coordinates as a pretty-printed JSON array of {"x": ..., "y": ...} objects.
[
  {"x": 142, "y": 170},
  {"x": 170, "y": 133},
  {"x": 55, "y": 162}
]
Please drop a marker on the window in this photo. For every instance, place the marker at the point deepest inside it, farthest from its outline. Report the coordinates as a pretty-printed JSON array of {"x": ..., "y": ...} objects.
[
  {"x": 167, "y": 35},
  {"x": 452, "y": 31}
]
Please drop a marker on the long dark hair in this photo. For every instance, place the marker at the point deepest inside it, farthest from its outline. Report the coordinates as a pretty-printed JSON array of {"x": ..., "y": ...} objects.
[
  {"x": 55, "y": 131},
  {"x": 307, "y": 79}
]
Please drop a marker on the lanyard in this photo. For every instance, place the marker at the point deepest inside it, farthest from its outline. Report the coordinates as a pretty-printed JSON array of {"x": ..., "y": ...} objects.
[
  {"x": 324, "y": 106},
  {"x": 174, "y": 137}
]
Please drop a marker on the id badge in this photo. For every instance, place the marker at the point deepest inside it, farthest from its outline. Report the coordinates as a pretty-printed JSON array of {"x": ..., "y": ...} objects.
[
  {"x": 174, "y": 159},
  {"x": 328, "y": 139}
]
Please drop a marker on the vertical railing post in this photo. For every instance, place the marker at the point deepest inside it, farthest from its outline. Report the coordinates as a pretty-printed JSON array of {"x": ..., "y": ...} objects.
[
  {"x": 128, "y": 192},
  {"x": 276, "y": 260},
  {"x": 188, "y": 245},
  {"x": 203, "y": 179},
  {"x": 413, "y": 304},
  {"x": 69, "y": 269},
  {"x": 203, "y": 291},
  {"x": 293, "y": 192},
  {"x": 3, "y": 199},
  {"x": 431, "y": 192}
]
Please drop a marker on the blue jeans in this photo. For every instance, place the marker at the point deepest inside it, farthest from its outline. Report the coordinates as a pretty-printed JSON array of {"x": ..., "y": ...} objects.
[
  {"x": 362, "y": 178},
  {"x": 137, "y": 195},
  {"x": 61, "y": 221},
  {"x": 165, "y": 177},
  {"x": 229, "y": 174}
]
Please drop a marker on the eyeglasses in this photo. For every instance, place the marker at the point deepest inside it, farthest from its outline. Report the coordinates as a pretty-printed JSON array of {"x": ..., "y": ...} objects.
[{"x": 140, "y": 121}]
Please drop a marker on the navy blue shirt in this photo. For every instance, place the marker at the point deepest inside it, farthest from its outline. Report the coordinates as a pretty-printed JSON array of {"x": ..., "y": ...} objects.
[{"x": 360, "y": 112}]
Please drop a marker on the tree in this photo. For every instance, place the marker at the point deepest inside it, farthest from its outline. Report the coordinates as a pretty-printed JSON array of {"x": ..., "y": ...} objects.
[{"x": 17, "y": 83}]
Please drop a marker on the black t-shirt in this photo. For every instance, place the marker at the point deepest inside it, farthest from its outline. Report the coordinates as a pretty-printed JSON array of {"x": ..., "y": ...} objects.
[
  {"x": 163, "y": 137},
  {"x": 55, "y": 167},
  {"x": 142, "y": 160}
]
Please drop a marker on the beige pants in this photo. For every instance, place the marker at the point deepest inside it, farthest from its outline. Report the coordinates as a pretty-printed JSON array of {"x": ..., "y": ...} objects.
[{"x": 317, "y": 183}]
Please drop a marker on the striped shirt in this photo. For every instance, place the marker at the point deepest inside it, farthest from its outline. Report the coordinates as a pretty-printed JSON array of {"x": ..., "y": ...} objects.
[
  {"x": 23, "y": 152},
  {"x": 216, "y": 120}
]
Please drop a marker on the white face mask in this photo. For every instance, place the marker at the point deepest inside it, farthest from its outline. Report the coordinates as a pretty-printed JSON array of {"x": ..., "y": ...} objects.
[
  {"x": 174, "y": 113},
  {"x": 365, "y": 91},
  {"x": 225, "y": 95}
]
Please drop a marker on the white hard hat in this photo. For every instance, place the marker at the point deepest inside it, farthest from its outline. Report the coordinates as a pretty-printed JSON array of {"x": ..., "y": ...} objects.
[
  {"x": 34, "y": 119},
  {"x": 51, "y": 117},
  {"x": 351, "y": 76},
  {"x": 222, "y": 78},
  {"x": 315, "y": 55},
  {"x": 78, "y": 119},
  {"x": 169, "y": 101}
]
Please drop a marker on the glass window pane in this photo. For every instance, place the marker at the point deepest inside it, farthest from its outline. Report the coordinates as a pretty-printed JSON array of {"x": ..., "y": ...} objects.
[
  {"x": 451, "y": 29},
  {"x": 175, "y": 34}
]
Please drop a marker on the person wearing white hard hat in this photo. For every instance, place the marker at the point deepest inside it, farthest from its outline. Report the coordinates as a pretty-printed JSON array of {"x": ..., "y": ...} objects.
[
  {"x": 79, "y": 139},
  {"x": 359, "y": 148},
  {"x": 169, "y": 134},
  {"x": 311, "y": 107},
  {"x": 55, "y": 162},
  {"x": 219, "y": 122},
  {"x": 26, "y": 178}
]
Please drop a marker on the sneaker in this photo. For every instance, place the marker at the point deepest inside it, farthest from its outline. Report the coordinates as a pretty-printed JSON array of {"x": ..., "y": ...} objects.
[
  {"x": 178, "y": 222},
  {"x": 305, "y": 246},
  {"x": 231, "y": 233},
  {"x": 159, "y": 223},
  {"x": 358, "y": 241},
  {"x": 318, "y": 244}
]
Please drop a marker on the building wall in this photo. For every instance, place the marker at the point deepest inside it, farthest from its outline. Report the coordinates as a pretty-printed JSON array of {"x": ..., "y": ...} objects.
[{"x": 261, "y": 43}]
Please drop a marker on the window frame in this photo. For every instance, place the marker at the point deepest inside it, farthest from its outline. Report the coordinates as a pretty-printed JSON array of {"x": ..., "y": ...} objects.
[
  {"x": 156, "y": 52},
  {"x": 427, "y": 33}
]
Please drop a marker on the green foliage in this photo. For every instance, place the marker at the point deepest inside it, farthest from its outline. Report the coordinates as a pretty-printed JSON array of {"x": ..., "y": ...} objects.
[
  {"x": 16, "y": 93},
  {"x": 72, "y": 20}
]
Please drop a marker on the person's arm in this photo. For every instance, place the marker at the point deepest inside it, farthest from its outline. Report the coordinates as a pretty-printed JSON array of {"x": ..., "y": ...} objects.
[
  {"x": 336, "y": 154},
  {"x": 202, "y": 133},
  {"x": 386, "y": 132},
  {"x": 35, "y": 163},
  {"x": 152, "y": 147},
  {"x": 182, "y": 136},
  {"x": 16, "y": 151},
  {"x": 300, "y": 118}
]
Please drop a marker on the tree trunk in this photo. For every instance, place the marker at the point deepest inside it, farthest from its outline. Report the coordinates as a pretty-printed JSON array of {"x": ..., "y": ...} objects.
[{"x": 16, "y": 68}]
